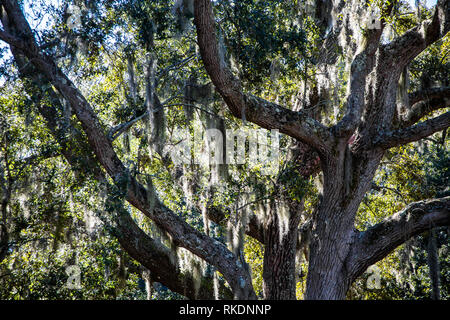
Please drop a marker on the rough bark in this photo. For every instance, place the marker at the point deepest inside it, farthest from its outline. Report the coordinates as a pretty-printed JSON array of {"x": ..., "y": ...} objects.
[
  {"x": 379, "y": 240},
  {"x": 416, "y": 132},
  {"x": 406, "y": 47},
  {"x": 350, "y": 152},
  {"x": 333, "y": 229},
  {"x": 280, "y": 243},
  {"x": 426, "y": 106},
  {"x": 349, "y": 164},
  {"x": 433, "y": 264}
]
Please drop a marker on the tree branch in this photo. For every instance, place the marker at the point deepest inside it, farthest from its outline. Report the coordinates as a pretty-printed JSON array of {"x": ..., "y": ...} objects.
[
  {"x": 183, "y": 235},
  {"x": 424, "y": 102},
  {"x": 405, "y": 48},
  {"x": 11, "y": 40},
  {"x": 362, "y": 64},
  {"x": 414, "y": 133},
  {"x": 115, "y": 132},
  {"x": 378, "y": 241},
  {"x": 150, "y": 253},
  {"x": 429, "y": 94},
  {"x": 423, "y": 108},
  {"x": 248, "y": 107},
  {"x": 161, "y": 261}
]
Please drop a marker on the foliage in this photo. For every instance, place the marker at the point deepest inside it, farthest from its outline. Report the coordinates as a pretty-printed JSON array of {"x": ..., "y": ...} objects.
[{"x": 58, "y": 217}]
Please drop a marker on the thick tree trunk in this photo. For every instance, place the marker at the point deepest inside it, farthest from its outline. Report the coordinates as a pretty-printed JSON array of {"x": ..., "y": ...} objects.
[
  {"x": 329, "y": 285},
  {"x": 333, "y": 232},
  {"x": 280, "y": 242},
  {"x": 338, "y": 253},
  {"x": 329, "y": 247}
]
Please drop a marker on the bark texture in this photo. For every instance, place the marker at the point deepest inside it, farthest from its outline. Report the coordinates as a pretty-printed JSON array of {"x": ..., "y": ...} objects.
[
  {"x": 351, "y": 150},
  {"x": 348, "y": 152}
]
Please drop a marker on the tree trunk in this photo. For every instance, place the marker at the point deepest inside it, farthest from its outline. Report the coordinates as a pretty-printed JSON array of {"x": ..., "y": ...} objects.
[
  {"x": 330, "y": 243},
  {"x": 280, "y": 242},
  {"x": 333, "y": 232},
  {"x": 4, "y": 234},
  {"x": 433, "y": 264}
]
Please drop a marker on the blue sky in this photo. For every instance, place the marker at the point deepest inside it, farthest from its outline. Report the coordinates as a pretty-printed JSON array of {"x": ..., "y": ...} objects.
[
  {"x": 428, "y": 3},
  {"x": 43, "y": 22}
]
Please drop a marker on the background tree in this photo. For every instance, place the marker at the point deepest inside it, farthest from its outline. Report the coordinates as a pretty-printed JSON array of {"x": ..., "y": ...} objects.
[{"x": 109, "y": 82}]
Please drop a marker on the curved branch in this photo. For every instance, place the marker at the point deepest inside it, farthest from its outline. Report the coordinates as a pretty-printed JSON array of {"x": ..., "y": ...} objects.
[
  {"x": 150, "y": 253},
  {"x": 424, "y": 102},
  {"x": 405, "y": 48},
  {"x": 414, "y": 133},
  {"x": 161, "y": 261},
  {"x": 183, "y": 235},
  {"x": 254, "y": 109},
  {"x": 429, "y": 94},
  {"x": 423, "y": 108},
  {"x": 378, "y": 241}
]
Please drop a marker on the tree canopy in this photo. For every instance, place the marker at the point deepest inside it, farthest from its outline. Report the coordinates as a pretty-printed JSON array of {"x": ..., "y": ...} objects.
[{"x": 224, "y": 149}]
